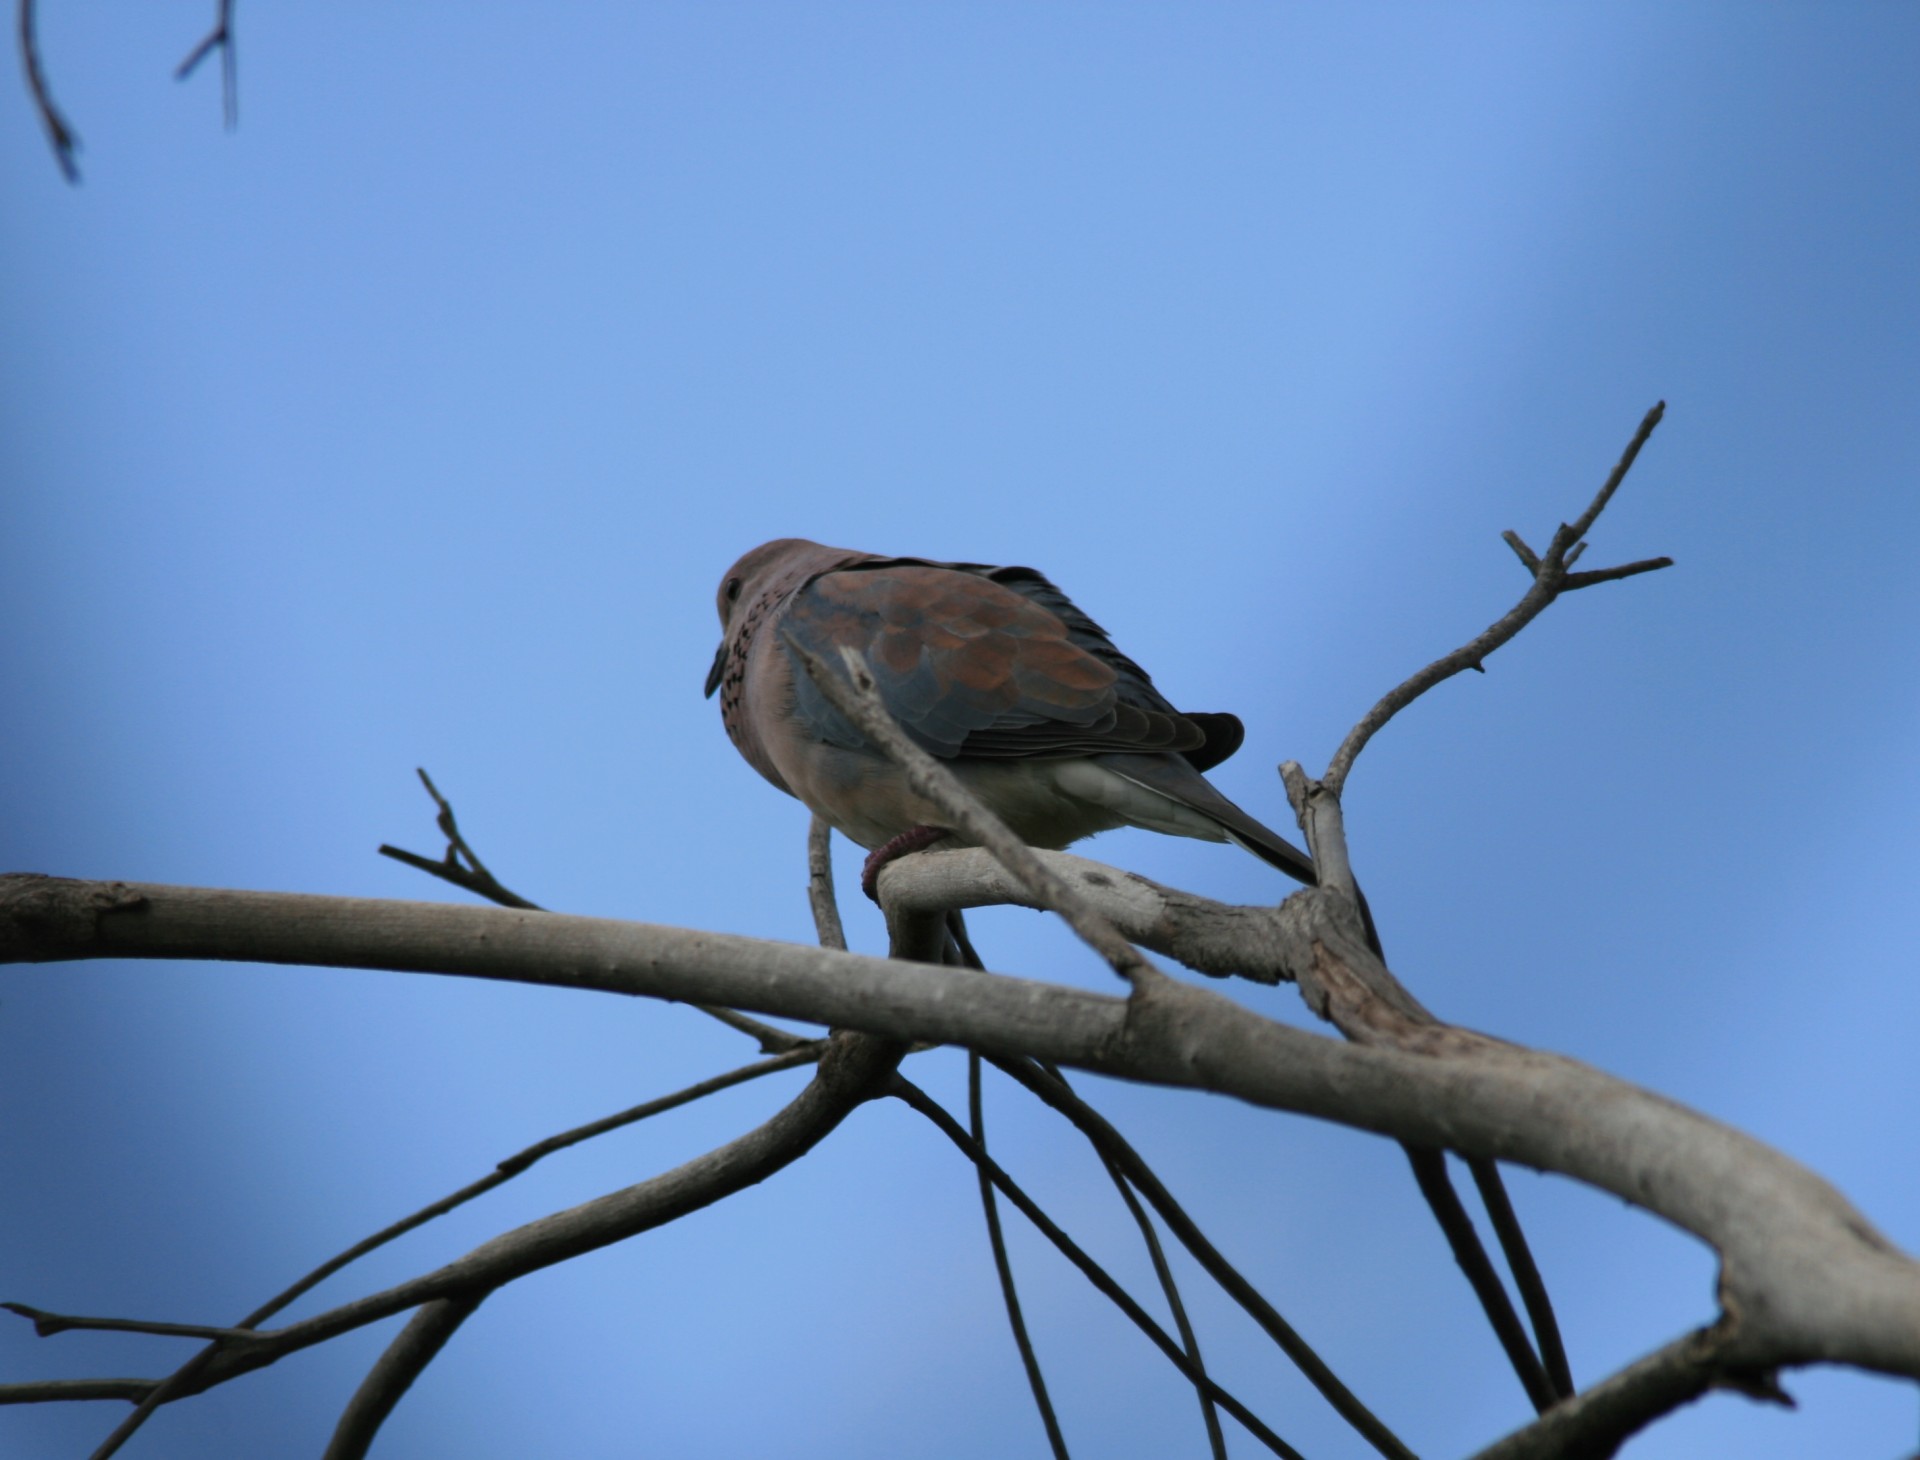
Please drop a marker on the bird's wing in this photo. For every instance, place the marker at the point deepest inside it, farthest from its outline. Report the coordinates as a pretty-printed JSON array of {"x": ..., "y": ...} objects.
[{"x": 973, "y": 665}]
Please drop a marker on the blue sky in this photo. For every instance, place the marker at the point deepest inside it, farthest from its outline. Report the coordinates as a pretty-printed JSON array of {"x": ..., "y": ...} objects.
[{"x": 414, "y": 423}]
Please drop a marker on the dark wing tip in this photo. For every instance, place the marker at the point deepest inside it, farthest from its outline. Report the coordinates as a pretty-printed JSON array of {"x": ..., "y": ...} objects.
[{"x": 1224, "y": 733}]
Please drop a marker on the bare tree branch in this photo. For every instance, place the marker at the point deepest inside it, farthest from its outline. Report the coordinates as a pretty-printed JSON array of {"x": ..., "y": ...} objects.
[
  {"x": 1804, "y": 1277},
  {"x": 918, "y": 1100},
  {"x": 820, "y": 898},
  {"x": 1593, "y": 1425},
  {"x": 1115, "y": 1149},
  {"x": 62, "y": 137},
  {"x": 404, "y": 1360},
  {"x": 1544, "y": 1374},
  {"x": 853, "y": 1071},
  {"x": 1183, "y": 1325},
  {"x": 66, "y": 1391},
  {"x": 220, "y": 38},
  {"x": 1003, "y": 1268},
  {"x": 461, "y": 867},
  {"x": 178, "y": 1382},
  {"x": 460, "y": 864},
  {"x": 1550, "y": 580},
  {"x": 1430, "y": 1171},
  {"x": 46, "y": 1325},
  {"x": 1526, "y": 1274}
]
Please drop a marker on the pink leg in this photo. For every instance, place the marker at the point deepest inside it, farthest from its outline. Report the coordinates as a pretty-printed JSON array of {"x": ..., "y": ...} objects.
[{"x": 913, "y": 839}]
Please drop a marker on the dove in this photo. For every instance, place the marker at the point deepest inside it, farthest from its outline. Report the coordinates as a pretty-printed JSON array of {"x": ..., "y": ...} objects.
[{"x": 994, "y": 671}]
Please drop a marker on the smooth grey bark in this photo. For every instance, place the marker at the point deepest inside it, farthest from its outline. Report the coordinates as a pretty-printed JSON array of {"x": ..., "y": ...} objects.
[{"x": 1804, "y": 1277}]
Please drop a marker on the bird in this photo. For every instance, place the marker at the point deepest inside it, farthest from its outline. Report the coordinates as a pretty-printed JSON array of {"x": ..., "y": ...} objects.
[{"x": 994, "y": 671}]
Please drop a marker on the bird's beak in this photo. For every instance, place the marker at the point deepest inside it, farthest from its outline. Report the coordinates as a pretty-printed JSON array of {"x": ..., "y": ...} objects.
[{"x": 719, "y": 669}]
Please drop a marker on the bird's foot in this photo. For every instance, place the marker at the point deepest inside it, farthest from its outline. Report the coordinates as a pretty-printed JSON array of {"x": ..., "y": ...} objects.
[{"x": 913, "y": 839}]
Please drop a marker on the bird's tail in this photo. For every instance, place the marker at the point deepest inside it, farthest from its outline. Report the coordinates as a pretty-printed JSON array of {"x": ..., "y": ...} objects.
[{"x": 1173, "y": 778}]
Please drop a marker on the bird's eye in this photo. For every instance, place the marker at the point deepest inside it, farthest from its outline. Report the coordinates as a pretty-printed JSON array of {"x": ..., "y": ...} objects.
[{"x": 733, "y": 590}]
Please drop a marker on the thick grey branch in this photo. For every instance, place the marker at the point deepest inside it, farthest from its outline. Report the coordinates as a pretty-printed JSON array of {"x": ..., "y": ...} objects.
[
  {"x": 1221, "y": 939},
  {"x": 1804, "y": 1277}
]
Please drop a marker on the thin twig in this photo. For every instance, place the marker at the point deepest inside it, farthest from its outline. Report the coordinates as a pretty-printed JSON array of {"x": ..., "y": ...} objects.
[
  {"x": 1163, "y": 1270},
  {"x": 73, "y": 1391},
  {"x": 462, "y": 867},
  {"x": 1612, "y": 575},
  {"x": 1550, "y": 580},
  {"x": 1430, "y": 1170},
  {"x": 1113, "y": 1146},
  {"x": 505, "y": 1171},
  {"x": 1003, "y": 1268},
  {"x": 46, "y": 1325},
  {"x": 1526, "y": 1273},
  {"x": 64, "y": 140},
  {"x": 826, "y": 907},
  {"x": 855, "y": 1069},
  {"x": 220, "y": 38},
  {"x": 918, "y": 1100},
  {"x": 524, "y": 1160}
]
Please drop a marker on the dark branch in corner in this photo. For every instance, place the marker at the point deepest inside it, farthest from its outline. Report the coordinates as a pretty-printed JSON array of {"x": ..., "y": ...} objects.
[
  {"x": 220, "y": 39},
  {"x": 64, "y": 140},
  {"x": 1551, "y": 578}
]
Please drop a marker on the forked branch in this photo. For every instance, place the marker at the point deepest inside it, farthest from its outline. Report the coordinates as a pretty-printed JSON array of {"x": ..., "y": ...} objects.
[{"x": 1551, "y": 578}]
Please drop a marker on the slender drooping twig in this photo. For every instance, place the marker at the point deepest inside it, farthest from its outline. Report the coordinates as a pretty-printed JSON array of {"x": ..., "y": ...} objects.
[
  {"x": 962, "y": 948},
  {"x": 1113, "y": 1146},
  {"x": 1526, "y": 1272},
  {"x": 46, "y": 1325},
  {"x": 918, "y": 1100},
  {"x": 60, "y": 135},
  {"x": 854, "y": 1071},
  {"x": 1163, "y": 1270},
  {"x": 1430, "y": 1171},
  {"x": 1003, "y": 1268}
]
